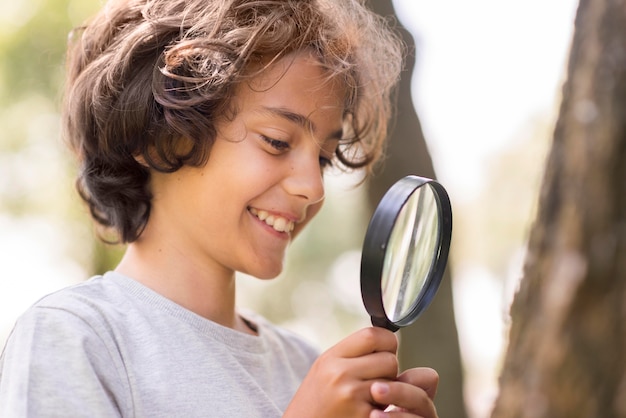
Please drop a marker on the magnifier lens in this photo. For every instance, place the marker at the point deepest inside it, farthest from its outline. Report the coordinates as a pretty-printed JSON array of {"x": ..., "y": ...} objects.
[
  {"x": 405, "y": 251},
  {"x": 411, "y": 253}
]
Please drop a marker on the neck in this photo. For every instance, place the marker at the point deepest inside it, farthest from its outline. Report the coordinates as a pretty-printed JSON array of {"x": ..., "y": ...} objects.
[{"x": 207, "y": 292}]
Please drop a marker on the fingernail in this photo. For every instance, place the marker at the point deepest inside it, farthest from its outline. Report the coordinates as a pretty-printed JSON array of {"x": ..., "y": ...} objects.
[
  {"x": 379, "y": 414},
  {"x": 381, "y": 389}
]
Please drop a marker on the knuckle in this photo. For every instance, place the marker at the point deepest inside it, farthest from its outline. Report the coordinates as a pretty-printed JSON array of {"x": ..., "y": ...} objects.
[
  {"x": 347, "y": 392},
  {"x": 391, "y": 363},
  {"x": 369, "y": 337},
  {"x": 379, "y": 339}
]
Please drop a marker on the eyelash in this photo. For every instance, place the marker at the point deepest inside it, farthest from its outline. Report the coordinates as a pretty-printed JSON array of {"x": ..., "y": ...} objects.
[
  {"x": 282, "y": 146},
  {"x": 275, "y": 143},
  {"x": 325, "y": 162}
]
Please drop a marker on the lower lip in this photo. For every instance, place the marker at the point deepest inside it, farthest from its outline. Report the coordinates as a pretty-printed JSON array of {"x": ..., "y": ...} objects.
[{"x": 282, "y": 235}]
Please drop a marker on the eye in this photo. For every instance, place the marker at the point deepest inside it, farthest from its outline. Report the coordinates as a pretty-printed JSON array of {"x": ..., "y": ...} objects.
[
  {"x": 327, "y": 156},
  {"x": 275, "y": 143},
  {"x": 325, "y": 162}
]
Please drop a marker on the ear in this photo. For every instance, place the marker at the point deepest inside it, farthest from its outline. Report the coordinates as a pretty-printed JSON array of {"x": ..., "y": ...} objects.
[{"x": 141, "y": 160}]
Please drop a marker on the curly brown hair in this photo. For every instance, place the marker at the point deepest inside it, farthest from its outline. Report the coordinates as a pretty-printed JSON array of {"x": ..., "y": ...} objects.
[{"x": 145, "y": 74}]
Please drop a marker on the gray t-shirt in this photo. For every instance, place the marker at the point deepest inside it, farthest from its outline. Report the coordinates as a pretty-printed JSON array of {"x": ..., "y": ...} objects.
[{"x": 112, "y": 347}]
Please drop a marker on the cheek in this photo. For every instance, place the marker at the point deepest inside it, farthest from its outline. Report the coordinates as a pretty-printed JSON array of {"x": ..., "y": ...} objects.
[{"x": 310, "y": 214}]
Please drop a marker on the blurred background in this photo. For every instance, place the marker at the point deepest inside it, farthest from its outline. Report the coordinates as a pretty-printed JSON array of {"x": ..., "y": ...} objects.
[{"x": 486, "y": 88}]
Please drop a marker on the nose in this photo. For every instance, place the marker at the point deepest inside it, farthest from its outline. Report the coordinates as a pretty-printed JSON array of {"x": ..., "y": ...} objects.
[{"x": 305, "y": 179}]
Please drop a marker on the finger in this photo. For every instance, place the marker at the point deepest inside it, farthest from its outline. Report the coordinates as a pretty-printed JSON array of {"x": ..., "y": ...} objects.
[
  {"x": 423, "y": 377},
  {"x": 405, "y": 397},
  {"x": 394, "y": 413},
  {"x": 374, "y": 366},
  {"x": 366, "y": 341}
]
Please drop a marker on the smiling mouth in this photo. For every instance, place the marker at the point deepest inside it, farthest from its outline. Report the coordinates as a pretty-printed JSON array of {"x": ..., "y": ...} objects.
[{"x": 279, "y": 223}]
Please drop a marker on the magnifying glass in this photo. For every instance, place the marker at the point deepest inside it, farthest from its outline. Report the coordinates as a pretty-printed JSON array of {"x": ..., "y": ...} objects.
[{"x": 405, "y": 251}]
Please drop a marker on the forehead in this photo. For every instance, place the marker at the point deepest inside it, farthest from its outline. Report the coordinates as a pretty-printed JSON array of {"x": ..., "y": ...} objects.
[{"x": 298, "y": 81}]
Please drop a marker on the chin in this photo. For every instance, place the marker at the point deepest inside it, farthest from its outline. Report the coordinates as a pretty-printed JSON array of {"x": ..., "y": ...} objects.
[
  {"x": 268, "y": 275},
  {"x": 265, "y": 272}
]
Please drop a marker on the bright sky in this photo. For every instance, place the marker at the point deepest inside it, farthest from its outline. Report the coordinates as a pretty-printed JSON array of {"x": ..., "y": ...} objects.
[{"x": 484, "y": 69}]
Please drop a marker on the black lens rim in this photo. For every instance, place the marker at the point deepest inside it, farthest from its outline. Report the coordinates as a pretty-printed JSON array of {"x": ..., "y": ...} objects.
[{"x": 375, "y": 245}]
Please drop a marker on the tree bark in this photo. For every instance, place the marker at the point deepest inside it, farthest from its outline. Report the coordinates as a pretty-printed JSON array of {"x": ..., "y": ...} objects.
[
  {"x": 432, "y": 340},
  {"x": 567, "y": 349}
]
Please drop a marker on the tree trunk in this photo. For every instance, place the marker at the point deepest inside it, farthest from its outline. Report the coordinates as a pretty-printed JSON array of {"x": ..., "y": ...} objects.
[
  {"x": 432, "y": 340},
  {"x": 567, "y": 350}
]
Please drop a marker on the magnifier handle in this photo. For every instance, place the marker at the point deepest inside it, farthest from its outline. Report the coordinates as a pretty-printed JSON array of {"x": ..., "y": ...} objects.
[{"x": 384, "y": 323}]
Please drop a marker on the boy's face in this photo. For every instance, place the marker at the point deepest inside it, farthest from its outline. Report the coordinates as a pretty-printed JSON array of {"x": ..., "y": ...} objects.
[{"x": 263, "y": 180}]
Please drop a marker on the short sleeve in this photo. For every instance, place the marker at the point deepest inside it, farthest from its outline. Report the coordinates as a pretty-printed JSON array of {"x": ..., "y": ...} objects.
[{"x": 57, "y": 364}]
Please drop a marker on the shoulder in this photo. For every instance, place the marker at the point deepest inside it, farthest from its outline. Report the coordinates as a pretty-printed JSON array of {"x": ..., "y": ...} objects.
[
  {"x": 74, "y": 316},
  {"x": 91, "y": 312},
  {"x": 62, "y": 345},
  {"x": 92, "y": 300}
]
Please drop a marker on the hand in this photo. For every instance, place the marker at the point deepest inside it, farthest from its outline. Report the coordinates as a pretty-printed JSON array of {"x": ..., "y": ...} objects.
[
  {"x": 358, "y": 377},
  {"x": 411, "y": 395}
]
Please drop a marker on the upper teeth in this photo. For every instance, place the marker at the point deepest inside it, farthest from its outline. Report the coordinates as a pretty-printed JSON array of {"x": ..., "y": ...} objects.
[{"x": 279, "y": 223}]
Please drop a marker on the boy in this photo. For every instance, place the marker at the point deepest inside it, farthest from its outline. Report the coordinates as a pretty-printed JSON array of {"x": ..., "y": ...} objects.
[{"x": 202, "y": 128}]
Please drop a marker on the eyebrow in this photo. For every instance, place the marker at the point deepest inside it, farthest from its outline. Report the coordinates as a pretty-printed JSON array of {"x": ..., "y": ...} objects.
[{"x": 300, "y": 120}]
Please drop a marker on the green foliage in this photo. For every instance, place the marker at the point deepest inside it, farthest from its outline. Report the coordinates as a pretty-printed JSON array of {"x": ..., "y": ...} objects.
[
  {"x": 32, "y": 46},
  {"x": 36, "y": 173}
]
